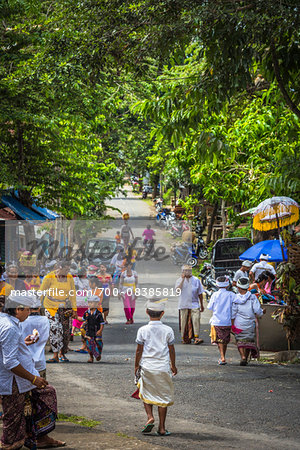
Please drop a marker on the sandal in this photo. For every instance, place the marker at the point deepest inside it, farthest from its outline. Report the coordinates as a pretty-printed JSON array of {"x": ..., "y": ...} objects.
[
  {"x": 80, "y": 350},
  {"x": 222, "y": 363},
  {"x": 243, "y": 362},
  {"x": 167, "y": 433},
  {"x": 64, "y": 359},
  {"x": 52, "y": 361},
  {"x": 148, "y": 428}
]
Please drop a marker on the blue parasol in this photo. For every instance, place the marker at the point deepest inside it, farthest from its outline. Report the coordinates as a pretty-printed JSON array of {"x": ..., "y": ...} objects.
[{"x": 271, "y": 248}]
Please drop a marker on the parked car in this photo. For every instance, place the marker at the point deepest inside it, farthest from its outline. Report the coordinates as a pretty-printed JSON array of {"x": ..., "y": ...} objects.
[
  {"x": 100, "y": 250},
  {"x": 224, "y": 261},
  {"x": 225, "y": 255}
]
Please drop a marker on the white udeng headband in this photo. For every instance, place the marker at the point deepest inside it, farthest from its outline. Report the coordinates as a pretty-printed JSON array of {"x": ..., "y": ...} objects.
[
  {"x": 222, "y": 284},
  {"x": 225, "y": 284}
]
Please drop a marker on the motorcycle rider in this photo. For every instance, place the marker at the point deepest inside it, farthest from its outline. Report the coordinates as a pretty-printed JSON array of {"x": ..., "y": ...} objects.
[
  {"x": 243, "y": 272},
  {"x": 148, "y": 234}
]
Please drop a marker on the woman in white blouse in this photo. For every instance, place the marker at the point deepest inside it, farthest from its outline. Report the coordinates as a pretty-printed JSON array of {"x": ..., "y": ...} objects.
[
  {"x": 128, "y": 284},
  {"x": 245, "y": 309}
]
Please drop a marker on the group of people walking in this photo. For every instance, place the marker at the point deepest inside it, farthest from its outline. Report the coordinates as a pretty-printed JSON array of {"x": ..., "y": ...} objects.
[
  {"x": 28, "y": 401},
  {"x": 231, "y": 314}
]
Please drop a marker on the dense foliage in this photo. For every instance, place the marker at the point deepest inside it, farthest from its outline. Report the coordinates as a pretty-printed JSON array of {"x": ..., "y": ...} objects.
[{"x": 203, "y": 94}]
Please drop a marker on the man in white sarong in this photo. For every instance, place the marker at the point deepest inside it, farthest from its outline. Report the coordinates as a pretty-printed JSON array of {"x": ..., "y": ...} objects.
[{"x": 155, "y": 365}]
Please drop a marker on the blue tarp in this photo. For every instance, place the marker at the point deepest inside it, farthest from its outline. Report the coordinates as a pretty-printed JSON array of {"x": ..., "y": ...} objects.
[
  {"x": 271, "y": 248},
  {"x": 23, "y": 212},
  {"x": 50, "y": 215},
  {"x": 45, "y": 212}
]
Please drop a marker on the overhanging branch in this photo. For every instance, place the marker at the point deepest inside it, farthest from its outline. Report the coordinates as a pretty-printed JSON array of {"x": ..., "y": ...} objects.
[{"x": 293, "y": 107}]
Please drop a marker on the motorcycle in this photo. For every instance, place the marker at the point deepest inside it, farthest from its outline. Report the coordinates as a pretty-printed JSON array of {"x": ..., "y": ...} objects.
[
  {"x": 184, "y": 254},
  {"x": 204, "y": 274},
  {"x": 158, "y": 203},
  {"x": 210, "y": 283},
  {"x": 161, "y": 216},
  {"x": 201, "y": 249},
  {"x": 177, "y": 228},
  {"x": 169, "y": 219}
]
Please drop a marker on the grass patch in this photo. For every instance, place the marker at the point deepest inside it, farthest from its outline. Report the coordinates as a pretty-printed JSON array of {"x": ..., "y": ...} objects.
[
  {"x": 264, "y": 360},
  {"x": 123, "y": 435},
  {"x": 78, "y": 420},
  {"x": 149, "y": 201}
]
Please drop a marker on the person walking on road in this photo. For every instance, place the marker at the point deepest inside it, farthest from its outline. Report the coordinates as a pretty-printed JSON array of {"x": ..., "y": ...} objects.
[
  {"x": 126, "y": 231},
  {"x": 117, "y": 264},
  {"x": 190, "y": 306},
  {"x": 221, "y": 306},
  {"x": 155, "y": 365},
  {"x": 128, "y": 285},
  {"x": 93, "y": 327},
  {"x": 40, "y": 323},
  {"x": 106, "y": 281},
  {"x": 29, "y": 402},
  {"x": 60, "y": 305},
  {"x": 245, "y": 309},
  {"x": 243, "y": 272}
]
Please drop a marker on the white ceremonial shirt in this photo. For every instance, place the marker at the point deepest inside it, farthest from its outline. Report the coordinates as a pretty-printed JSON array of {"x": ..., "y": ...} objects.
[
  {"x": 155, "y": 337},
  {"x": 261, "y": 267},
  {"x": 240, "y": 274},
  {"x": 221, "y": 306},
  {"x": 244, "y": 309},
  {"x": 37, "y": 350},
  {"x": 190, "y": 291},
  {"x": 13, "y": 351}
]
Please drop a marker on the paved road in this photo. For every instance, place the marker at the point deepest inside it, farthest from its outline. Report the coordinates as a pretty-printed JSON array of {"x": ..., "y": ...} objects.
[{"x": 216, "y": 406}]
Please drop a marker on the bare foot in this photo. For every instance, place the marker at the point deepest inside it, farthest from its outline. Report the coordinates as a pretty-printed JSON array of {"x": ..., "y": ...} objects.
[
  {"x": 98, "y": 358},
  {"x": 91, "y": 360},
  {"x": 151, "y": 420},
  {"x": 48, "y": 442}
]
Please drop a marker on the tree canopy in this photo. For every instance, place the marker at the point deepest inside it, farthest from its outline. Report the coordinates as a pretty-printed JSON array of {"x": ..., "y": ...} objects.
[{"x": 206, "y": 93}]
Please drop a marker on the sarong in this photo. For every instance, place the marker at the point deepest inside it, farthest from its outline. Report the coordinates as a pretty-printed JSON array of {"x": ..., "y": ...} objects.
[
  {"x": 28, "y": 416},
  {"x": 94, "y": 346},
  {"x": 59, "y": 330},
  {"x": 222, "y": 335},
  {"x": 156, "y": 388},
  {"x": 246, "y": 339},
  {"x": 186, "y": 325}
]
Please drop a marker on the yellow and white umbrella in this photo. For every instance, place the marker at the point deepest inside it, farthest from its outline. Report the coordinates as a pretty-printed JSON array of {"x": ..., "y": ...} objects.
[{"x": 275, "y": 212}]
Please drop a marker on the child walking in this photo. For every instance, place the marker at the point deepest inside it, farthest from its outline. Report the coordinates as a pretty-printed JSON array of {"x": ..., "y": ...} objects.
[
  {"x": 92, "y": 329},
  {"x": 155, "y": 365}
]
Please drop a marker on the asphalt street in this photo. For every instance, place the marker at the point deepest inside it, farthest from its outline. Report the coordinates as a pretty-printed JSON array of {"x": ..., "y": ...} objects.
[{"x": 215, "y": 407}]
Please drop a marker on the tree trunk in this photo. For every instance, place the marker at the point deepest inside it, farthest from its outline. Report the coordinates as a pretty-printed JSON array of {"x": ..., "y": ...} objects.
[
  {"x": 211, "y": 223},
  {"x": 154, "y": 182},
  {"x": 223, "y": 216},
  {"x": 71, "y": 233},
  {"x": 30, "y": 242},
  {"x": 57, "y": 237}
]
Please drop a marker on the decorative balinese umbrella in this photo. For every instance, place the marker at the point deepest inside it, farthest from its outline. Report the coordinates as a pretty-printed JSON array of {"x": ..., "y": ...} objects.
[{"x": 275, "y": 212}]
